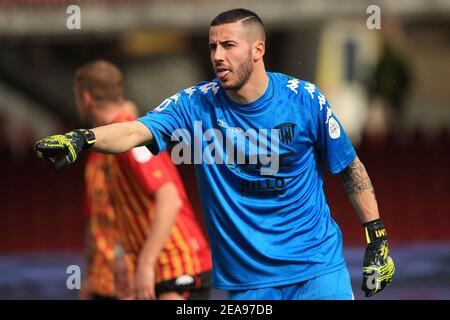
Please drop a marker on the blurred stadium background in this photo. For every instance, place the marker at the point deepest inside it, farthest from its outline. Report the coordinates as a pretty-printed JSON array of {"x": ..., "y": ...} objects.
[{"x": 390, "y": 88}]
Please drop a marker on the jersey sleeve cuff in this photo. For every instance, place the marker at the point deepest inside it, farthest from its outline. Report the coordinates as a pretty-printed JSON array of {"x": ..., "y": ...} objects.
[
  {"x": 154, "y": 146},
  {"x": 345, "y": 163}
]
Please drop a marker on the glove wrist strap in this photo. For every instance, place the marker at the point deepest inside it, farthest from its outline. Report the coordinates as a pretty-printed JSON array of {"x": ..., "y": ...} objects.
[
  {"x": 89, "y": 138},
  {"x": 374, "y": 231}
]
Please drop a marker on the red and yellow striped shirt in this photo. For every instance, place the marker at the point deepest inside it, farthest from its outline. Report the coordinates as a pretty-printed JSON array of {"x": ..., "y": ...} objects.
[
  {"x": 133, "y": 178},
  {"x": 102, "y": 229}
]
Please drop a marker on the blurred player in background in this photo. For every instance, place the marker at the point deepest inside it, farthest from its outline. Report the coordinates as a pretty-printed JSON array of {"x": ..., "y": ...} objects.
[
  {"x": 143, "y": 229},
  {"x": 272, "y": 236},
  {"x": 102, "y": 231}
]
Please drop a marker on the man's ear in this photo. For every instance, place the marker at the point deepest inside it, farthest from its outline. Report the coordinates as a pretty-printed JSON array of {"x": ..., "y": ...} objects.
[
  {"x": 259, "y": 48},
  {"x": 87, "y": 99}
]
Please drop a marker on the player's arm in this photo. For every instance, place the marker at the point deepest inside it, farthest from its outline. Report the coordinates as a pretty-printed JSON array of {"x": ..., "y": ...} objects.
[
  {"x": 359, "y": 189},
  {"x": 378, "y": 267},
  {"x": 122, "y": 284},
  {"x": 121, "y": 137},
  {"x": 62, "y": 150},
  {"x": 168, "y": 204}
]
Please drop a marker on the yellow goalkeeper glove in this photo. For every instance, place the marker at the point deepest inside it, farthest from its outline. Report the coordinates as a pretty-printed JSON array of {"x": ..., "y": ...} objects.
[
  {"x": 378, "y": 266},
  {"x": 61, "y": 150}
]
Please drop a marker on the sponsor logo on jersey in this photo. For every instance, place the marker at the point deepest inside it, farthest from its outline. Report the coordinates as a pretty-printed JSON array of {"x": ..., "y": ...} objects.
[{"x": 263, "y": 187}]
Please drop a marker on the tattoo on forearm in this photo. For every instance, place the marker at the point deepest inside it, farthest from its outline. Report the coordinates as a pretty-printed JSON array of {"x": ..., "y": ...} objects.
[
  {"x": 374, "y": 196},
  {"x": 356, "y": 179}
]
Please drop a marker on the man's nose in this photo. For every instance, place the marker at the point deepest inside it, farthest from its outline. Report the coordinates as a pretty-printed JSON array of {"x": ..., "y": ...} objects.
[{"x": 218, "y": 54}]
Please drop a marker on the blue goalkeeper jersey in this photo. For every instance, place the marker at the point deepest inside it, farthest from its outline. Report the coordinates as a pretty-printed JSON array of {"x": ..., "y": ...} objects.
[{"x": 259, "y": 170}]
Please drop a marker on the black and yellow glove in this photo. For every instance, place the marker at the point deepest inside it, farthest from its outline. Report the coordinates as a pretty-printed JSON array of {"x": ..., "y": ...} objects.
[
  {"x": 378, "y": 266},
  {"x": 61, "y": 150}
]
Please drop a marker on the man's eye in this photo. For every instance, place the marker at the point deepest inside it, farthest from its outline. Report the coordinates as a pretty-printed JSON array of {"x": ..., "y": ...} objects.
[{"x": 228, "y": 45}]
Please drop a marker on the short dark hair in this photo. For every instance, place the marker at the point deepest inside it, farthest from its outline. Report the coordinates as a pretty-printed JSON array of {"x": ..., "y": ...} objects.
[{"x": 235, "y": 15}]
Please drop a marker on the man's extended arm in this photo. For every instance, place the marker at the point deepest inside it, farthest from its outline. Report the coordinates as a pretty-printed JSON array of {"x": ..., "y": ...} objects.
[
  {"x": 61, "y": 150},
  {"x": 378, "y": 266},
  {"x": 121, "y": 137}
]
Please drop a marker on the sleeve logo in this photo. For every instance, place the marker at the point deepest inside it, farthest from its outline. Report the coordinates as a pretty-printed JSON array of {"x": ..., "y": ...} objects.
[
  {"x": 167, "y": 102},
  {"x": 333, "y": 129},
  {"x": 213, "y": 86},
  {"x": 310, "y": 88},
  {"x": 293, "y": 85}
]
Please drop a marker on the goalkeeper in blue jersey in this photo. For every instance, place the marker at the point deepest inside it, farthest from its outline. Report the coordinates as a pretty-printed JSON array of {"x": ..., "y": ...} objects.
[{"x": 259, "y": 141}]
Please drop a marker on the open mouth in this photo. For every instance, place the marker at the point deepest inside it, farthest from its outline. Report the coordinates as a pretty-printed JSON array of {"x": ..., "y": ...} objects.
[{"x": 222, "y": 72}]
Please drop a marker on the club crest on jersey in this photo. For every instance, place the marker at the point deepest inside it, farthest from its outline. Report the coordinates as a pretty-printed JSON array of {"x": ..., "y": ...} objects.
[
  {"x": 286, "y": 132},
  {"x": 333, "y": 129}
]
